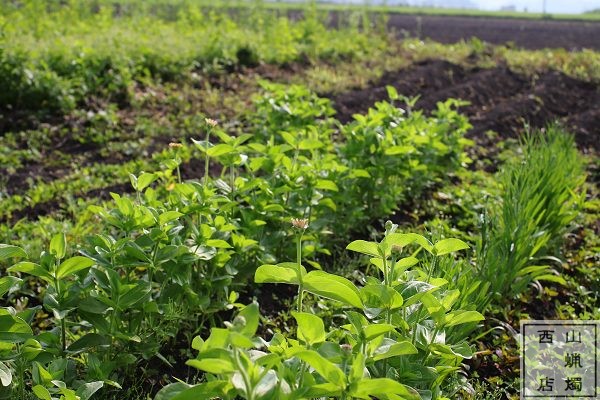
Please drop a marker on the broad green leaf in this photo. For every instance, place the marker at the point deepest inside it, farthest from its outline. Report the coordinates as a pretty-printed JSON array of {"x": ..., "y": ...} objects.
[
  {"x": 68, "y": 394},
  {"x": 396, "y": 150},
  {"x": 380, "y": 296},
  {"x": 144, "y": 180},
  {"x": 184, "y": 391},
  {"x": 272, "y": 208},
  {"x": 325, "y": 184},
  {"x": 134, "y": 250},
  {"x": 168, "y": 216},
  {"x": 88, "y": 389},
  {"x": 31, "y": 349},
  {"x": 433, "y": 306},
  {"x": 172, "y": 390},
  {"x": 6, "y": 283},
  {"x": 41, "y": 392},
  {"x": 404, "y": 239},
  {"x": 202, "y": 145},
  {"x": 218, "y": 243},
  {"x": 394, "y": 350},
  {"x": 364, "y": 247},
  {"x": 374, "y": 330},
  {"x": 58, "y": 245},
  {"x": 378, "y": 262},
  {"x": 367, "y": 388},
  {"x": 7, "y": 251},
  {"x": 41, "y": 374},
  {"x": 359, "y": 173},
  {"x": 5, "y": 375},
  {"x": 289, "y": 138},
  {"x": 392, "y": 92},
  {"x": 462, "y": 350},
  {"x": 331, "y": 372},
  {"x": 332, "y": 287},
  {"x": 212, "y": 365},
  {"x": 310, "y": 144},
  {"x": 73, "y": 265},
  {"x": 220, "y": 150},
  {"x": 404, "y": 263},
  {"x": 462, "y": 317},
  {"x": 357, "y": 320},
  {"x": 446, "y": 246},
  {"x": 246, "y": 322},
  {"x": 240, "y": 341},
  {"x": 198, "y": 343},
  {"x": 88, "y": 341},
  {"x": 132, "y": 294},
  {"x": 32, "y": 269},
  {"x": 450, "y": 297},
  {"x": 357, "y": 369},
  {"x": 322, "y": 390},
  {"x": 217, "y": 340},
  {"x": 311, "y": 329},
  {"x": 280, "y": 273}
]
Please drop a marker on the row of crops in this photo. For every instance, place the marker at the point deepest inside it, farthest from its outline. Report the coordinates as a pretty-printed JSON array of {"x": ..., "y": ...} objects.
[{"x": 176, "y": 255}]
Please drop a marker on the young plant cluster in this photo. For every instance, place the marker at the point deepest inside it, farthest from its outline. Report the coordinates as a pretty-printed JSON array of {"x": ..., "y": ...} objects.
[
  {"x": 173, "y": 256},
  {"x": 521, "y": 236},
  {"x": 396, "y": 338}
]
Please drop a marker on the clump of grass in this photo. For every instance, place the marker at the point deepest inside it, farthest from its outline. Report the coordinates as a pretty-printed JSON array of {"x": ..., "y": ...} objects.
[{"x": 522, "y": 234}]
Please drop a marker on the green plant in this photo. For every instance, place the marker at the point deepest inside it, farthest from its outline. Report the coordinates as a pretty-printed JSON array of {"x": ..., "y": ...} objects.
[
  {"x": 400, "y": 327},
  {"x": 519, "y": 237},
  {"x": 417, "y": 148},
  {"x": 45, "y": 356}
]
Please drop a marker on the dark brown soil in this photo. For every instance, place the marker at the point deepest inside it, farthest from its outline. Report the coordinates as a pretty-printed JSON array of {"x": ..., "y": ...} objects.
[
  {"x": 526, "y": 33},
  {"x": 501, "y": 100}
]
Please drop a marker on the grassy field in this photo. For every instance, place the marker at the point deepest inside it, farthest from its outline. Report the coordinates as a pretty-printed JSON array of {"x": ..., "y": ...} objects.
[{"x": 187, "y": 211}]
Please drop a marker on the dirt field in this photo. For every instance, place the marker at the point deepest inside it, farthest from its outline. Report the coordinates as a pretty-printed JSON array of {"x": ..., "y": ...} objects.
[
  {"x": 529, "y": 34},
  {"x": 501, "y": 100}
]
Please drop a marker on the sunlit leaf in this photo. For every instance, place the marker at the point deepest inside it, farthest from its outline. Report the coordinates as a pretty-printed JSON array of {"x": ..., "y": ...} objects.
[
  {"x": 58, "y": 245},
  {"x": 364, "y": 247},
  {"x": 280, "y": 273},
  {"x": 446, "y": 246},
  {"x": 332, "y": 287},
  {"x": 8, "y": 251},
  {"x": 73, "y": 265},
  {"x": 311, "y": 329}
]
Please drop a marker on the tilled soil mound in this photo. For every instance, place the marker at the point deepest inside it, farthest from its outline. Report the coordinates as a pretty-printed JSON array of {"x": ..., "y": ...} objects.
[{"x": 501, "y": 100}]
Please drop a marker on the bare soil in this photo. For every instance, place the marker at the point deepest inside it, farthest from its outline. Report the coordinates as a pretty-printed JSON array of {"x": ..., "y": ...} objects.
[
  {"x": 526, "y": 33},
  {"x": 500, "y": 100}
]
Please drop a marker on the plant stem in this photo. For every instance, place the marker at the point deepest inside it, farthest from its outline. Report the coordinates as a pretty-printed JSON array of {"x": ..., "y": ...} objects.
[
  {"x": 232, "y": 181},
  {"x": 63, "y": 325},
  {"x": 21, "y": 373},
  {"x": 299, "y": 271},
  {"x": 249, "y": 389},
  {"x": 63, "y": 329},
  {"x": 206, "y": 162}
]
